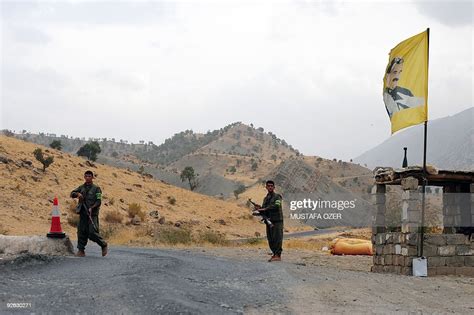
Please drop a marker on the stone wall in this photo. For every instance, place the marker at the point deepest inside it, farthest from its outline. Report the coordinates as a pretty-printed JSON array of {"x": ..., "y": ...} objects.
[{"x": 447, "y": 254}]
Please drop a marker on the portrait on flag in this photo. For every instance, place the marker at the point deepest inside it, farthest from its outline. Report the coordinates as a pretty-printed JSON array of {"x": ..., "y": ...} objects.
[
  {"x": 395, "y": 97},
  {"x": 405, "y": 83}
]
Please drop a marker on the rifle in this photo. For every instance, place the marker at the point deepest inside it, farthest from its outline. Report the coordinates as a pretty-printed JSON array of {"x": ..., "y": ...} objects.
[
  {"x": 89, "y": 214},
  {"x": 265, "y": 219}
]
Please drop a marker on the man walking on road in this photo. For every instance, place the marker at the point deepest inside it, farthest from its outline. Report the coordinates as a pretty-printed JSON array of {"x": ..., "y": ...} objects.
[
  {"x": 90, "y": 197},
  {"x": 272, "y": 208}
]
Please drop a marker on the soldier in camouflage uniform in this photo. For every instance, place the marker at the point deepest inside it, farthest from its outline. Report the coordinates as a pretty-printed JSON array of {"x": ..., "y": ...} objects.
[
  {"x": 90, "y": 197},
  {"x": 272, "y": 209}
]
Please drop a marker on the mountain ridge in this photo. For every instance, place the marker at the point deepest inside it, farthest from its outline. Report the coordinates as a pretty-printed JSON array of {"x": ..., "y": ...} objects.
[{"x": 450, "y": 145}]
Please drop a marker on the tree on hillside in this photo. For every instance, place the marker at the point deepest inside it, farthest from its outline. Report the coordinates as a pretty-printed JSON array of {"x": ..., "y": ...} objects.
[
  {"x": 8, "y": 133},
  {"x": 90, "y": 150},
  {"x": 46, "y": 161},
  {"x": 254, "y": 166},
  {"x": 240, "y": 189},
  {"x": 56, "y": 144},
  {"x": 189, "y": 175}
]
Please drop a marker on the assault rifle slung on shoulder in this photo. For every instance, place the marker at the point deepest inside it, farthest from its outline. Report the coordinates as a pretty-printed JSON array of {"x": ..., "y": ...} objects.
[{"x": 255, "y": 212}]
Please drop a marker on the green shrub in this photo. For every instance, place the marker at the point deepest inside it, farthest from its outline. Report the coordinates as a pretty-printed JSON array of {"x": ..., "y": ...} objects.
[
  {"x": 254, "y": 166},
  {"x": 107, "y": 231},
  {"x": 56, "y": 144},
  {"x": 240, "y": 189},
  {"x": 253, "y": 241},
  {"x": 46, "y": 161},
  {"x": 171, "y": 200},
  {"x": 144, "y": 231},
  {"x": 212, "y": 237},
  {"x": 90, "y": 150},
  {"x": 173, "y": 235}
]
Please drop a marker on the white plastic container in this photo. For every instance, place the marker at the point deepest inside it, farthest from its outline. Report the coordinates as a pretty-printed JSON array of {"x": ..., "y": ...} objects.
[{"x": 420, "y": 267}]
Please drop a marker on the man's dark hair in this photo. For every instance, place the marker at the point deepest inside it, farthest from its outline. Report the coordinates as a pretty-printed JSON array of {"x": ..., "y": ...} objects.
[
  {"x": 270, "y": 182},
  {"x": 89, "y": 173},
  {"x": 396, "y": 60}
]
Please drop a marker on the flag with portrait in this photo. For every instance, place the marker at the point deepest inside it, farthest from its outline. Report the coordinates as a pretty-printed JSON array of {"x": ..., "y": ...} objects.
[{"x": 405, "y": 84}]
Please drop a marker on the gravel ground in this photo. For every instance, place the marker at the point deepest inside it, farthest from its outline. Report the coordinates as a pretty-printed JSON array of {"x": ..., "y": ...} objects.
[{"x": 326, "y": 284}]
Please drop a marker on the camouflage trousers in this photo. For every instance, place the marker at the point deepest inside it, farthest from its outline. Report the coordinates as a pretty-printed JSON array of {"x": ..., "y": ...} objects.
[
  {"x": 86, "y": 231},
  {"x": 275, "y": 237}
]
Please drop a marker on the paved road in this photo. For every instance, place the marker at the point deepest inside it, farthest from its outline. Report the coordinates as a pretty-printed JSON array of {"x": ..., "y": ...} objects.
[
  {"x": 133, "y": 280},
  {"x": 150, "y": 281}
]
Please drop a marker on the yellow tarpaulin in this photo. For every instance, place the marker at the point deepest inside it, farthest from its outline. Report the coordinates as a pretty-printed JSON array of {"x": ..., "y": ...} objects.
[{"x": 405, "y": 84}]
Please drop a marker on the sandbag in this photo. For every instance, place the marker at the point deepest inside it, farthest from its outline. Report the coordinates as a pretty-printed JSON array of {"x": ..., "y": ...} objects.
[
  {"x": 351, "y": 247},
  {"x": 350, "y": 240}
]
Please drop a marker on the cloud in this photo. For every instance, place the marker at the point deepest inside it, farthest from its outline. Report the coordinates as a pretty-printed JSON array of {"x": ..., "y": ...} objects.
[
  {"x": 29, "y": 35},
  {"x": 310, "y": 72},
  {"x": 451, "y": 13},
  {"x": 40, "y": 80},
  {"x": 88, "y": 12},
  {"x": 119, "y": 79}
]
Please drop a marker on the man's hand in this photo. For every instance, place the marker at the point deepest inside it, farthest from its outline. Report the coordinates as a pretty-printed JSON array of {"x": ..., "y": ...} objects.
[{"x": 79, "y": 196}]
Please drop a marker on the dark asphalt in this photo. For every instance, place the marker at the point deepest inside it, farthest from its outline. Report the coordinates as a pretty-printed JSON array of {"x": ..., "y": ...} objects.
[{"x": 136, "y": 280}]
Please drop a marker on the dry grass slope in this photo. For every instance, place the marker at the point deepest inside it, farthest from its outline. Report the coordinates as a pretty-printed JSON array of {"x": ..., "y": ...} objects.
[{"x": 27, "y": 195}]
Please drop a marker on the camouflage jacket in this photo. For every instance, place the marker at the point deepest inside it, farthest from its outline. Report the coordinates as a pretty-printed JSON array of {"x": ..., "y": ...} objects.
[
  {"x": 273, "y": 203},
  {"x": 92, "y": 197}
]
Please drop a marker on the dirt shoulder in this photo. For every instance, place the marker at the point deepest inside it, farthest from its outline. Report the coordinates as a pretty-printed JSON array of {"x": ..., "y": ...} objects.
[{"x": 322, "y": 283}]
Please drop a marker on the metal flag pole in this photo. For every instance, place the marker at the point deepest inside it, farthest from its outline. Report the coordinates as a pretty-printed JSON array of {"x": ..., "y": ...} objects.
[{"x": 424, "y": 179}]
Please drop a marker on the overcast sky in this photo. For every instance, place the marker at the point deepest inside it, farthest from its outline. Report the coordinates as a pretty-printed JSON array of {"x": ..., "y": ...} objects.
[{"x": 309, "y": 71}]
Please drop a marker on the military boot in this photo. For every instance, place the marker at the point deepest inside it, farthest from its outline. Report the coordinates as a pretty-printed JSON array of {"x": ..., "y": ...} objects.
[
  {"x": 104, "y": 250},
  {"x": 80, "y": 253}
]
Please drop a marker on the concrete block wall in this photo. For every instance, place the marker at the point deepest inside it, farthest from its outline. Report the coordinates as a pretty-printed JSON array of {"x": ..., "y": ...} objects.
[
  {"x": 447, "y": 254},
  {"x": 472, "y": 203}
]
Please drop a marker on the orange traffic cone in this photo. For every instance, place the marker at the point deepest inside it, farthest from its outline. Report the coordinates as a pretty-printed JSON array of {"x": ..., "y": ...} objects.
[{"x": 56, "y": 231}]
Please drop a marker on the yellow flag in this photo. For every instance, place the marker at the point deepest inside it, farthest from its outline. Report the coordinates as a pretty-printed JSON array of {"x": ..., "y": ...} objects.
[{"x": 405, "y": 84}]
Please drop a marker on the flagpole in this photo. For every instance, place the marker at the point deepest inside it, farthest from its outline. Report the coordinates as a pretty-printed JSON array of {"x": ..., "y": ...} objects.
[{"x": 424, "y": 180}]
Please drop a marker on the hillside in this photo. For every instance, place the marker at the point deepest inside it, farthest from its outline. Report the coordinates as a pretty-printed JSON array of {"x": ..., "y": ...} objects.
[
  {"x": 296, "y": 179},
  {"x": 244, "y": 155},
  {"x": 450, "y": 145},
  {"x": 244, "y": 140},
  {"x": 228, "y": 158},
  {"x": 28, "y": 193}
]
